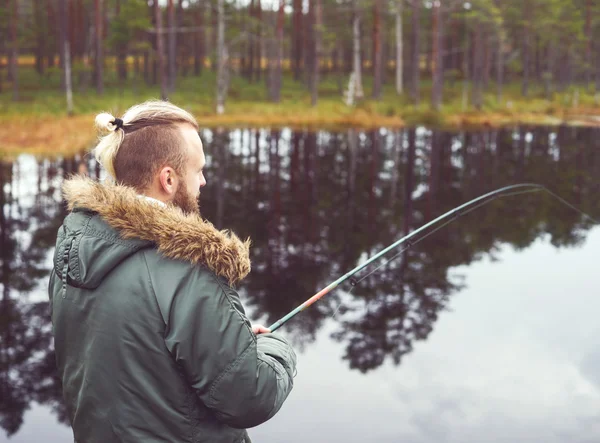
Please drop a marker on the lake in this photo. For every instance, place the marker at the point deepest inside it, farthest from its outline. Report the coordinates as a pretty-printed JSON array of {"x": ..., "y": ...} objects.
[{"x": 487, "y": 330}]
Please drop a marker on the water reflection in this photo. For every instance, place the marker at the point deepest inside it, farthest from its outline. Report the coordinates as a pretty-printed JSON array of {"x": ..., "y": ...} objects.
[{"x": 315, "y": 205}]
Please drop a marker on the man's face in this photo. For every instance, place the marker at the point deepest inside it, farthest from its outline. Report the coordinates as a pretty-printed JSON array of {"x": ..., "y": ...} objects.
[{"x": 188, "y": 191}]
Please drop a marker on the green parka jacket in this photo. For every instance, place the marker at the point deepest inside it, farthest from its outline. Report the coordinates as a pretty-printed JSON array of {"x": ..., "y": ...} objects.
[{"x": 152, "y": 342}]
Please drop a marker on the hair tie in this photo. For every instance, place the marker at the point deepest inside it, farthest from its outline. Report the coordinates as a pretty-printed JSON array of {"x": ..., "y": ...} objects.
[{"x": 118, "y": 123}]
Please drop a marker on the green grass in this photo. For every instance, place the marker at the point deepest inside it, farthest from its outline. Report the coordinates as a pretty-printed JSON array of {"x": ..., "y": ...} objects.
[{"x": 41, "y": 108}]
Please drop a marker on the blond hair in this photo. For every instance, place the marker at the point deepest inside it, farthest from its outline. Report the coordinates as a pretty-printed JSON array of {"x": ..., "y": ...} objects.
[{"x": 148, "y": 132}]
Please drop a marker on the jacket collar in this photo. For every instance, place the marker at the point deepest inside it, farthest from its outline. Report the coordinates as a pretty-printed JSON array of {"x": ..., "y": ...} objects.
[{"x": 177, "y": 235}]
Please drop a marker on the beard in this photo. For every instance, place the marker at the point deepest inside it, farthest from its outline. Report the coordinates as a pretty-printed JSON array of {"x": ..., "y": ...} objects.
[{"x": 186, "y": 201}]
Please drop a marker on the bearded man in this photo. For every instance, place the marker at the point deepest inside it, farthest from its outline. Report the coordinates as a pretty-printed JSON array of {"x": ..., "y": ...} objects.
[{"x": 152, "y": 342}]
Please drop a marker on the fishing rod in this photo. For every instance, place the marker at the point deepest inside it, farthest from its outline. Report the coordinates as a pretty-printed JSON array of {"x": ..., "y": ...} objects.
[{"x": 450, "y": 216}]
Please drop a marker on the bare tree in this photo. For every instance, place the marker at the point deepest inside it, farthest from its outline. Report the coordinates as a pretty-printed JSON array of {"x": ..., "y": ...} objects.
[
  {"x": 436, "y": 90},
  {"x": 68, "y": 83},
  {"x": 222, "y": 59},
  {"x": 162, "y": 78},
  {"x": 357, "y": 64},
  {"x": 399, "y": 47}
]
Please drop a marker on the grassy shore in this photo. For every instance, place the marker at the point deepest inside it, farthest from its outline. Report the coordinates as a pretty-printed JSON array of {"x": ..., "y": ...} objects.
[{"x": 38, "y": 122}]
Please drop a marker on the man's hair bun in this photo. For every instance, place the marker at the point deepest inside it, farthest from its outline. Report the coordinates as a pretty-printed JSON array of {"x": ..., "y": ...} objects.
[{"x": 104, "y": 122}]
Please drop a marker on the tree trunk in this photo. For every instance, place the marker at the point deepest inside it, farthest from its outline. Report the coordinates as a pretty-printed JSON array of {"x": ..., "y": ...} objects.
[
  {"x": 499, "y": 68},
  {"x": 252, "y": 42},
  {"x": 82, "y": 29},
  {"x": 172, "y": 48},
  {"x": 41, "y": 37},
  {"x": 68, "y": 82},
  {"x": 199, "y": 38},
  {"x": 437, "y": 59},
  {"x": 539, "y": 53},
  {"x": 162, "y": 77},
  {"x": 259, "y": 41},
  {"x": 121, "y": 53},
  {"x": 181, "y": 63},
  {"x": 154, "y": 42},
  {"x": 416, "y": 55},
  {"x": 65, "y": 50},
  {"x": 136, "y": 66},
  {"x": 465, "y": 71},
  {"x": 357, "y": 65},
  {"x": 478, "y": 67},
  {"x": 63, "y": 21},
  {"x": 214, "y": 17},
  {"x": 14, "y": 52},
  {"x": 588, "y": 49},
  {"x": 348, "y": 55},
  {"x": 317, "y": 51},
  {"x": 399, "y": 48},
  {"x": 526, "y": 50},
  {"x": 338, "y": 70},
  {"x": 597, "y": 74},
  {"x": 297, "y": 39},
  {"x": 568, "y": 68},
  {"x": 275, "y": 56},
  {"x": 309, "y": 34},
  {"x": 52, "y": 32},
  {"x": 222, "y": 80},
  {"x": 487, "y": 60},
  {"x": 99, "y": 55},
  {"x": 548, "y": 76},
  {"x": 377, "y": 56},
  {"x": 146, "y": 67}
]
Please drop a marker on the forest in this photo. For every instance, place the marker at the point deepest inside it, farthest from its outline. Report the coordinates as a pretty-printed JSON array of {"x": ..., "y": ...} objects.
[{"x": 304, "y": 62}]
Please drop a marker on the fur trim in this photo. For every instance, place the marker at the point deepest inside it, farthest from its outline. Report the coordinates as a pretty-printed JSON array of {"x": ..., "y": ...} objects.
[{"x": 177, "y": 235}]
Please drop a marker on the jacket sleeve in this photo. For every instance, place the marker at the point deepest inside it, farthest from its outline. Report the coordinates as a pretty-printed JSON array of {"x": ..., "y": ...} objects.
[{"x": 243, "y": 378}]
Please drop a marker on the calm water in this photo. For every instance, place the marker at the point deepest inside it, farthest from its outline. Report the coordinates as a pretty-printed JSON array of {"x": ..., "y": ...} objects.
[{"x": 486, "y": 331}]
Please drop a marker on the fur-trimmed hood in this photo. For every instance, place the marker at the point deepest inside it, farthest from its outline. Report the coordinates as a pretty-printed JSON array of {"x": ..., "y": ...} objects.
[{"x": 177, "y": 235}]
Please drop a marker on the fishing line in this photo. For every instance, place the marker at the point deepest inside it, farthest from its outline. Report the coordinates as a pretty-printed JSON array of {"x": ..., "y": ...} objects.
[
  {"x": 523, "y": 188},
  {"x": 411, "y": 244}
]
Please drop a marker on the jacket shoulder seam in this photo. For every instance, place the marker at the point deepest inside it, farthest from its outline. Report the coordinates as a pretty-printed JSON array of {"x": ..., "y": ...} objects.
[{"x": 112, "y": 238}]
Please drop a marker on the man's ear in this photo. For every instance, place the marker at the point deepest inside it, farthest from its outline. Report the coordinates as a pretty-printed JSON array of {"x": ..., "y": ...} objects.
[{"x": 168, "y": 180}]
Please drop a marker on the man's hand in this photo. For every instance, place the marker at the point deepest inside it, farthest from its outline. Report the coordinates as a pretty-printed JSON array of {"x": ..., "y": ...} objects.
[{"x": 259, "y": 329}]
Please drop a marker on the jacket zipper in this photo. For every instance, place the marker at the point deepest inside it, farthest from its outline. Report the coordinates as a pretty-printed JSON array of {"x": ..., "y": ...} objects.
[{"x": 65, "y": 268}]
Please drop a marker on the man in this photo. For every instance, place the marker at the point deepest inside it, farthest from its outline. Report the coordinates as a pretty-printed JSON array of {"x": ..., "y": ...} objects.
[{"x": 152, "y": 342}]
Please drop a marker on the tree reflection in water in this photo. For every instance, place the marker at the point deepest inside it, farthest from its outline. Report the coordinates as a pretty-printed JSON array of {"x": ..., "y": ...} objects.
[{"x": 316, "y": 205}]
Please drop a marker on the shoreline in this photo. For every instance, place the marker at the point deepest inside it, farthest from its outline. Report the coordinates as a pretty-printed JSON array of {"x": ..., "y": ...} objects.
[{"x": 66, "y": 135}]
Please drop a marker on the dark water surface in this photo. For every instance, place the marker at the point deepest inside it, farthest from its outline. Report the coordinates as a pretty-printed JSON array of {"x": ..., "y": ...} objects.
[{"x": 486, "y": 331}]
